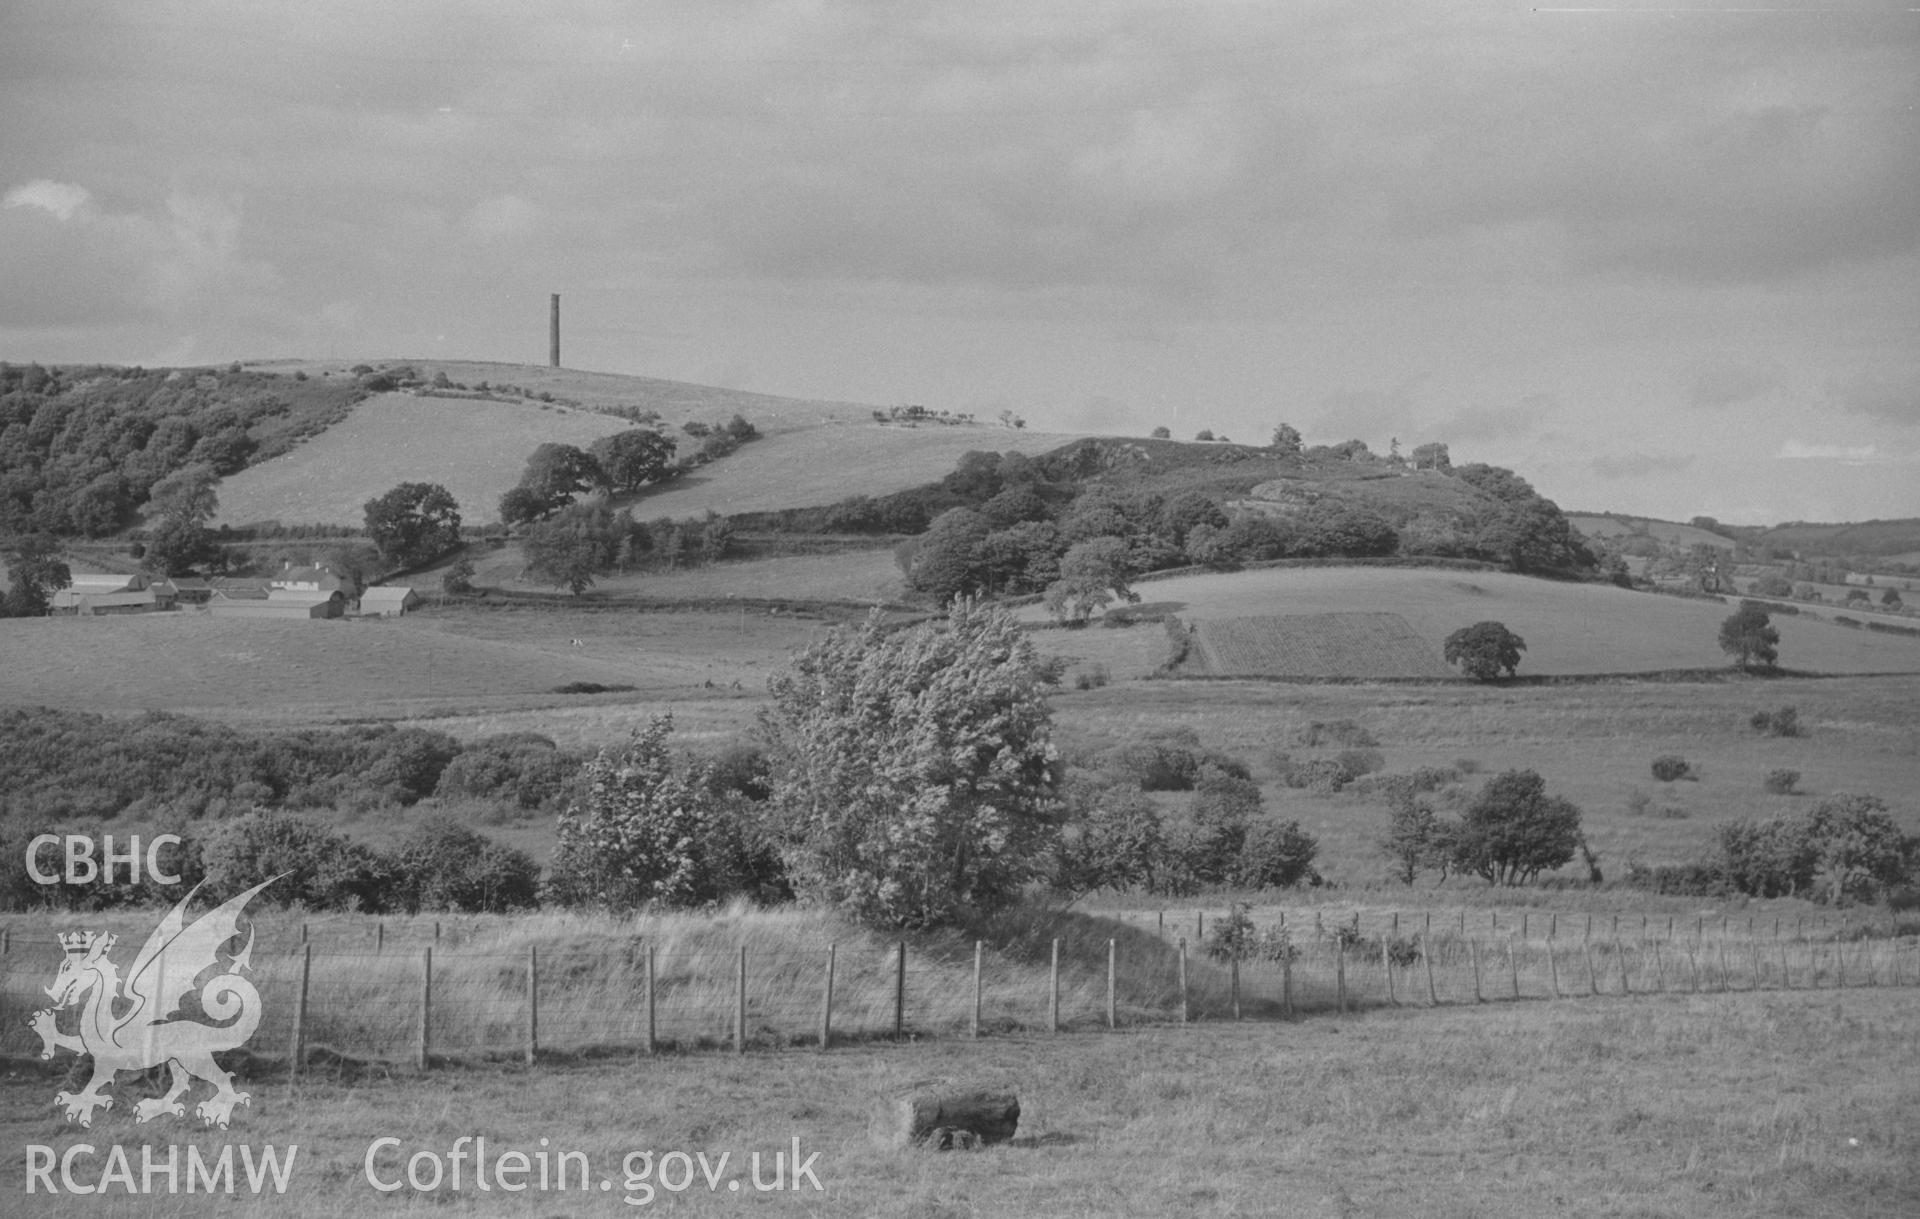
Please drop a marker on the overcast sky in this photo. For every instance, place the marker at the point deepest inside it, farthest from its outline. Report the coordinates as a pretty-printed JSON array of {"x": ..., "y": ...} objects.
[{"x": 1658, "y": 260}]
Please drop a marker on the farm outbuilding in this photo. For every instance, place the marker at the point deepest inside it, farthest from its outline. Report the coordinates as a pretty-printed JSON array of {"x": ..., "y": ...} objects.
[
  {"x": 280, "y": 604},
  {"x": 388, "y": 601},
  {"x": 108, "y": 593}
]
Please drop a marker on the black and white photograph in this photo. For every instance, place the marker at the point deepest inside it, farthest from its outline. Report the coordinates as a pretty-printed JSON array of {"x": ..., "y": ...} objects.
[{"x": 957, "y": 610}]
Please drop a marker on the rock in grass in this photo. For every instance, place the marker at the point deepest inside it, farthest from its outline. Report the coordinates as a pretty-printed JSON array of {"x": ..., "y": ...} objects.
[{"x": 948, "y": 1121}]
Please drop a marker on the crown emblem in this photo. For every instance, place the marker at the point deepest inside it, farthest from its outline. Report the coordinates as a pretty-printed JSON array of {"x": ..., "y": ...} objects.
[{"x": 79, "y": 943}]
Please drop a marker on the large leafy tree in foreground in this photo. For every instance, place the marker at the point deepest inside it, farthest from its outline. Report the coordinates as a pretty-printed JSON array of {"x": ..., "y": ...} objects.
[{"x": 915, "y": 769}]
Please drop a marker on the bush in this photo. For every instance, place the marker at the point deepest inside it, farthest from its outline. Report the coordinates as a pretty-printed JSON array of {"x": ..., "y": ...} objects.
[
  {"x": 443, "y": 865},
  {"x": 1236, "y": 938},
  {"x": 1638, "y": 802},
  {"x": 1671, "y": 767},
  {"x": 1784, "y": 722},
  {"x": 1277, "y": 855},
  {"x": 1336, "y": 732},
  {"x": 1846, "y": 848},
  {"x": 637, "y": 836},
  {"x": 322, "y": 870},
  {"x": 1781, "y": 782}
]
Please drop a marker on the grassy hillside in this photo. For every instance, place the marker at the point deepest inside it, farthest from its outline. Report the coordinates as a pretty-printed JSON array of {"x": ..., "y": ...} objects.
[
  {"x": 1569, "y": 628},
  {"x": 1670, "y": 532},
  {"x": 810, "y": 452},
  {"x": 476, "y": 449}
]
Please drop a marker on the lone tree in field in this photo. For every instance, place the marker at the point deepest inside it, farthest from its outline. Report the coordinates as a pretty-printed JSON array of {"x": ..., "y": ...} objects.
[
  {"x": 1514, "y": 830},
  {"x": 1485, "y": 648},
  {"x": 915, "y": 769},
  {"x": 1092, "y": 573},
  {"x": 1748, "y": 636},
  {"x": 413, "y": 522}
]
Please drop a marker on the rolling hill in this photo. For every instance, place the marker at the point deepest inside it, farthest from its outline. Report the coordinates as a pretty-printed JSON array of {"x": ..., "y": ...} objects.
[
  {"x": 809, "y": 453},
  {"x": 1569, "y": 628}
]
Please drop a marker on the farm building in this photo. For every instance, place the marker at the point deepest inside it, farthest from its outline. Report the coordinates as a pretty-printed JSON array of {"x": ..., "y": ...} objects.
[
  {"x": 313, "y": 580},
  {"x": 388, "y": 601},
  {"x": 108, "y": 593},
  {"x": 279, "y": 603}
]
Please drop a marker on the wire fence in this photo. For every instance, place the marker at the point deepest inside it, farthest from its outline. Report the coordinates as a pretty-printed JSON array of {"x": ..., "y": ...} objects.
[{"x": 409, "y": 1000}]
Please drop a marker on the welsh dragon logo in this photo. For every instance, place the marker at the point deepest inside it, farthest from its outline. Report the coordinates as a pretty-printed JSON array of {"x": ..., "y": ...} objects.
[{"x": 149, "y": 1029}]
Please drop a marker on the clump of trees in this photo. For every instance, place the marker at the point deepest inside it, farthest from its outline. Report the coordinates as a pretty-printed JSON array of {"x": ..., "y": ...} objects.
[
  {"x": 35, "y": 571},
  {"x": 1845, "y": 849},
  {"x": 1508, "y": 834}
]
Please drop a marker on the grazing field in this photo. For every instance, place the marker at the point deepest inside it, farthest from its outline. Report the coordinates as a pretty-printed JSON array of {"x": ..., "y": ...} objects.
[
  {"x": 1569, "y": 628},
  {"x": 1592, "y": 743},
  {"x": 1670, "y": 532},
  {"x": 809, "y": 466},
  {"x": 1769, "y": 1104},
  {"x": 451, "y": 660},
  {"x": 1316, "y": 645},
  {"x": 869, "y": 576},
  {"x": 476, "y": 449}
]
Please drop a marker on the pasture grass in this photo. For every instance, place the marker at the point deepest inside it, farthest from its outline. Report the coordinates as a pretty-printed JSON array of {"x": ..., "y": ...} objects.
[
  {"x": 1767, "y": 1104},
  {"x": 475, "y": 449},
  {"x": 1568, "y": 628}
]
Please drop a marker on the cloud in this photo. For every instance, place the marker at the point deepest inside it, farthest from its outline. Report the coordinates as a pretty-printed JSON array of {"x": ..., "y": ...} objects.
[
  {"x": 1891, "y": 396},
  {"x": 1495, "y": 422},
  {"x": 1614, "y": 466},
  {"x": 1727, "y": 385},
  {"x": 1363, "y": 414},
  {"x": 61, "y": 199},
  {"x": 1797, "y": 450}
]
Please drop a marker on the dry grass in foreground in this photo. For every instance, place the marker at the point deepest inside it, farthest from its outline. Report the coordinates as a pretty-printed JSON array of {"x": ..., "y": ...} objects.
[{"x": 1694, "y": 1106}]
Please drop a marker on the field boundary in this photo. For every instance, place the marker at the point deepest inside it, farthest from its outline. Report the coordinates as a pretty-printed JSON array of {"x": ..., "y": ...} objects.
[{"x": 354, "y": 1005}]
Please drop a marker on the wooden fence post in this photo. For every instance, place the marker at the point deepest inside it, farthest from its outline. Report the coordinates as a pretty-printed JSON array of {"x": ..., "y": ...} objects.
[
  {"x": 1513, "y": 967},
  {"x": 1726, "y": 979},
  {"x": 533, "y": 1003},
  {"x": 1340, "y": 973},
  {"x": 1659, "y": 970},
  {"x": 380, "y": 936},
  {"x": 1199, "y": 927},
  {"x": 1523, "y": 925},
  {"x": 1553, "y": 925},
  {"x": 1386, "y": 971},
  {"x": 1586, "y": 950},
  {"x": 1233, "y": 983},
  {"x": 1693, "y": 968},
  {"x": 1553, "y": 967},
  {"x": 1839, "y": 965},
  {"x": 653, "y": 1025},
  {"x": 421, "y": 1045},
  {"x": 1473, "y": 950},
  {"x": 826, "y": 1004},
  {"x": 297, "y": 1054},
  {"x": 1786, "y": 979},
  {"x": 740, "y": 1004},
  {"x": 1286, "y": 985},
  {"x": 899, "y": 989},
  {"x": 979, "y": 949},
  {"x": 1426, "y": 954},
  {"x": 1185, "y": 1013},
  {"x": 1396, "y": 924},
  {"x": 1113, "y": 968},
  {"x": 1053, "y": 991},
  {"x": 1625, "y": 989}
]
